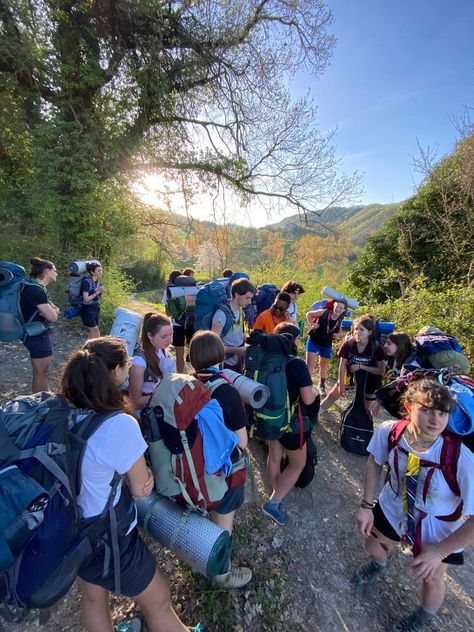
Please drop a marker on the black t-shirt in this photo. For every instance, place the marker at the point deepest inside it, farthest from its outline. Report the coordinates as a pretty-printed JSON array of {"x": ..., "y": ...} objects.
[
  {"x": 31, "y": 296},
  {"x": 372, "y": 353},
  {"x": 324, "y": 334},
  {"x": 297, "y": 376},
  {"x": 229, "y": 399},
  {"x": 88, "y": 285}
]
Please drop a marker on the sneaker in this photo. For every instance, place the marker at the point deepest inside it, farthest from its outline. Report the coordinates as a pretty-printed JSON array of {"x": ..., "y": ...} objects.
[
  {"x": 236, "y": 577},
  {"x": 275, "y": 511},
  {"x": 366, "y": 574},
  {"x": 133, "y": 625},
  {"x": 197, "y": 628},
  {"x": 322, "y": 388},
  {"x": 413, "y": 623}
]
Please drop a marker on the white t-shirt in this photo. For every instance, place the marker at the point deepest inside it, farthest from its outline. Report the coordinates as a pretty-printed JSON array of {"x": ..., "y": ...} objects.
[
  {"x": 114, "y": 447},
  {"x": 293, "y": 312},
  {"x": 167, "y": 365},
  {"x": 235, "y": 336},
  {"x": 440, "y": 500}
]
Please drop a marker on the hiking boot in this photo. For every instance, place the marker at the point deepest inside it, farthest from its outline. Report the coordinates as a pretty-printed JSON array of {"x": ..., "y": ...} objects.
[
  {"x": 275, "y": 511},
  {"x": 417, "y": 621},
  {"x": 236, "y": 577},
  {"x": 366, "y": 574}
]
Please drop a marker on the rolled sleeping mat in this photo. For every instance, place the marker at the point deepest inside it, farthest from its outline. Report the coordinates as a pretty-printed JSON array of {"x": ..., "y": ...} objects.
[
  {"x": 251, "y": 392},
  {"x": 352, "y": 303},
  {"x": 194, "y": 539},
  {"x": 176, "y": 291},
  {"x": 126, "y": 326},
  {"x": 383, "y": 328},
  {"x": 76, "y": 267}
]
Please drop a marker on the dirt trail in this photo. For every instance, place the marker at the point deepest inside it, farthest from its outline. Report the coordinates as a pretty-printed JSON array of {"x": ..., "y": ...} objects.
[{"x": 301, "y": 572}]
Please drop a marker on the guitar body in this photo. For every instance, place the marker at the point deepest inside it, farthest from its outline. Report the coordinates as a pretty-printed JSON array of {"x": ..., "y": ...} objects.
[{"x": 357, "y": 426}]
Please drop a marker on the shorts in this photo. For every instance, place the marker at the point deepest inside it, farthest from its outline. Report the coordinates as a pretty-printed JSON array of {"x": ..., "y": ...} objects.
[
  {"x": 90, "y": 315},
  {"x": 372, "y": 384},
  {"x": 291, "y": 440},
  {"x": 181, "y": 335},
  {"x": 137, "y": 566},
  {"x": 383, "y": 525},
  {"x": 40, "y": 346},
  {"x": 324, "y": 352},
  {"x": 232, "y": 500}
]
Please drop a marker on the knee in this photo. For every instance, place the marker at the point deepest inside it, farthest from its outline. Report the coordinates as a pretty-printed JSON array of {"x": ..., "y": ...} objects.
[{"x": 375, "y": 548}]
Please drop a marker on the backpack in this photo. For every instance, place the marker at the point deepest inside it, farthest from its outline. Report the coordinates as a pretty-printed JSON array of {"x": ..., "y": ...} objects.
[
  {"x": 307, "y": 473},
  {"x": 181, "y": 300},
  {"x": 449, "y": 456},
  {"x": 265, "y": 362},
  {"x": 43, "y": 539},
  {"x": 263, "y": 299},
  {"x": 209, "y": 299},
  {"x": 177, "y": 446},
  {"x": 12, "y": 324},
  {"x": 235, "y": 277},
  {"x": 439, "y": 350}
]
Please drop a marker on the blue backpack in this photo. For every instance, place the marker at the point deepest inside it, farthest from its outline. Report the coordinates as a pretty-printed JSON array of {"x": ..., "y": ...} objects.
[
  {"x": 263, "y": 299},
  {"x": 12, "y": 324},
  {"x": 209, "y": 299},
  {"x": 43, "y": 538}
]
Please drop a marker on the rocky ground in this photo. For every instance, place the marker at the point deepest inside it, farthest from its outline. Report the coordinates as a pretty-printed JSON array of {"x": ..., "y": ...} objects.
[{"x": 301, "y": 572}]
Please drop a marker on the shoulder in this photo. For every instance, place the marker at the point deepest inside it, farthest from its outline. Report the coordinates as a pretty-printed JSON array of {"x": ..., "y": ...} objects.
[
  {"x": 219, "y": 316},
  {"x": 344, "y": 348},
  {"x": 139, "y": 360},
  {"x": 297, "y": 371},
  {"x": 34, "y": 291}
]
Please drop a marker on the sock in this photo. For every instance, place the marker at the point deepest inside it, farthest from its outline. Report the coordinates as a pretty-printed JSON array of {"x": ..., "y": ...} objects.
[
  {"x": 424, "y": 615},
  {"x": 379, "y": 564},
  {"x": 322, "y": 381}
]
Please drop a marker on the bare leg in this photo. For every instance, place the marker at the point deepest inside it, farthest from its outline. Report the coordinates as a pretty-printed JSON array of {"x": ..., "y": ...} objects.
[
  {"x": 275, "y": 454},
  {"x": 179, "y": 359},
  {"x": 433, "y": 591},
  {"x": 93, "y": 332},
  {"x": 311, "y": 361},
  {"x": 95, "y": 610},
  {"x": 330, "y": 398},
  {"x": 225, "y": 521},
  {"x": 289, "y": 476},
  {"x": 323, "y": 367},
  {"x": 40, "y": 368},
  {"x": 379, "y": 547},
  {"x": 155, "y": 602}
]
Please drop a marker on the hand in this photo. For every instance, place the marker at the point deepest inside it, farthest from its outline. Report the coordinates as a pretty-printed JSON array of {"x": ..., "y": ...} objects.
[
  {"x": 148, "y": 486},
  {"x": 100, "y": 290},
  {"x": 365, "y": 521},
  {"x": 354, "y": 367},
  {"x": 341, "y": 389},
  {"x": 240, "y": 351},
  {"x": 426, "y": 563}
]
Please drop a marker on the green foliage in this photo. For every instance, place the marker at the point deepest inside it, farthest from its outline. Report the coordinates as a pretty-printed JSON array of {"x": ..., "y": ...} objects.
[
  {"x": 449, "y": 308},
  {"x": 118, "y": 289}
]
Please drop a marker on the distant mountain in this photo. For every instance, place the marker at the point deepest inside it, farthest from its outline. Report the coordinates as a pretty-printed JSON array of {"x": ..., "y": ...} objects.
[{"x": 358, "y": 221}]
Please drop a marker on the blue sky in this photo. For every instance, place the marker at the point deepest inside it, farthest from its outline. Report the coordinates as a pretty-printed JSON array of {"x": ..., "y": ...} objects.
[{"x": 400, "y": 71}]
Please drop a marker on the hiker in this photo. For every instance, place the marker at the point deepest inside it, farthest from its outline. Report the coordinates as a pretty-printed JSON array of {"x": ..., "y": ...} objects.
[
  {"x": 188, "y": 272},
  {"x": 276, "y": 314},
  {"x": 183, "y": 323},
  {"x": 302, "y": 394},
  {"x": 419, "y": 454},
  {"x": 91, "y": 380},
  {"x": 91, "y": 292},
  {"x": 325, "y": 327},
  {"x": 35, "y": 304},
  {"x": 242, "y": 292},
  {"x": 152, "y": 360},
  {"x": 206, "y": 353},
  {"x": 227, "y": 273},
  {"x": 294, "y": 290},
  {"x": 399, "y": 351},
  {"x": 360, "y": 352}
]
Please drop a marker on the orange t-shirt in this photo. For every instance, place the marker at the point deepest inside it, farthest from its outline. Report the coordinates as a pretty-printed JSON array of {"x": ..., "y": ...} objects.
[{"x": 267, "y": 321}]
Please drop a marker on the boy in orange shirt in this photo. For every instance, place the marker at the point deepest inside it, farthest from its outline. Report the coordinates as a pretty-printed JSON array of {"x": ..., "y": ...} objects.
[{"x": 278, "y": 313}]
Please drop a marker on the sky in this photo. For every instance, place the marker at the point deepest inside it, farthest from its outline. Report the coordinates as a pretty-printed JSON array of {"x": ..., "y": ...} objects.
[{"x": 400, "y": 71}]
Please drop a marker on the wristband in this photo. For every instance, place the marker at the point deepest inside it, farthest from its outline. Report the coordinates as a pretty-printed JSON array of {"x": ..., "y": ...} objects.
[
  {"x": 438, "y": 552},
  {"x": 365, "y": 504}
]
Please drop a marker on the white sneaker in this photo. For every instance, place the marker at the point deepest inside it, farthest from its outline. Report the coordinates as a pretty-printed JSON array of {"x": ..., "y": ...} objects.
[{"x": 236, "y": 577}]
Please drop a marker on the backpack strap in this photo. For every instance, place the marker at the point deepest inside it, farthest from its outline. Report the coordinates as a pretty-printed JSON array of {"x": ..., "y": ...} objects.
[{"x": 449, "y": 461}]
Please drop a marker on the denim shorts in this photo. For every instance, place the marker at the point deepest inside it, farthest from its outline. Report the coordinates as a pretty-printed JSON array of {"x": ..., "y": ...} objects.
[
  {"x": 40, "y": 346},
  {"x": 324, "y": 352}
]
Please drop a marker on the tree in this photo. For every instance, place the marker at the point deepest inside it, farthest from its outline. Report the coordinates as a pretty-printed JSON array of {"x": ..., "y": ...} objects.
[
  {"x": 105, "y": 90},
  {"x": 274, "y": 249},
  {"x": 207, "y": 258}
]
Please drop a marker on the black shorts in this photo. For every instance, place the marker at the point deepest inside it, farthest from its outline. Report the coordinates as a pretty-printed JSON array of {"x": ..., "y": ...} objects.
[
  {"x": 232, "y": 500},
  {"x": 90, "y": 315},
  {"x": 372, "y": 384},
  {"x": 291, "y": 440},
  {"x": 181, "y": 335},
  {"x": 40, "y": 346},
  {"x": 383, "y": 525},
  {"x": 137, "y": 566}
]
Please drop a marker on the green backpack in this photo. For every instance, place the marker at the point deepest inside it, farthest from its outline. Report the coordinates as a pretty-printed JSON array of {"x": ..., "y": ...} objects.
[{"x": 265, "y": 361}]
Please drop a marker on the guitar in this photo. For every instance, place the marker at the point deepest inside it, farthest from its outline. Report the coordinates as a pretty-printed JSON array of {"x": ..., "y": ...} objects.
[{"x": 357, "y": 426}]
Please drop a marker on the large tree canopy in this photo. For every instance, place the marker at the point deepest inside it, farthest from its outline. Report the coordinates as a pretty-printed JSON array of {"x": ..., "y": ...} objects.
[{"x": 95, "y": 92}]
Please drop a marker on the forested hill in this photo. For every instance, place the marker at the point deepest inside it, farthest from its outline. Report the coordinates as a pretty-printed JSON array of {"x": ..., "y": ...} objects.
[{"x": 357, "y": 222}]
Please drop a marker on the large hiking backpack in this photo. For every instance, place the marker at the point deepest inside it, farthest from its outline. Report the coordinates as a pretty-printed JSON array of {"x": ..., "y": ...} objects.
[
  {"x": 43, "y": 540},
  {"x": 177, "y": 445},
  {"x": 438, "y": 350},
  {"x": 209, "y": 299},
  {"x": 181, "y": 300},
  {"x": 12, "y": 324},
  {"x": 235, "y": 277},
  {"x": 265, "y": 361},
  {"x": 263, "y": 299}
]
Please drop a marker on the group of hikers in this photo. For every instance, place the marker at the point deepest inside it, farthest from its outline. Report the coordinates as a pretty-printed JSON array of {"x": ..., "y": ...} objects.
[{"x": 422, "y": 505}]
